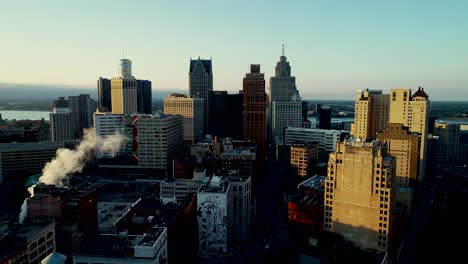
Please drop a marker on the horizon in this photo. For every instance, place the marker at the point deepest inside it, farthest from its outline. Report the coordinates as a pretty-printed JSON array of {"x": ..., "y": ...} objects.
[{"x": 333, "y": 48}]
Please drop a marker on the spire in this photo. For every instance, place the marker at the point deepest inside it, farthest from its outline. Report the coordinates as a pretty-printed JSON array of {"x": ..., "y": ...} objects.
[{"x": 282, "y": 54}]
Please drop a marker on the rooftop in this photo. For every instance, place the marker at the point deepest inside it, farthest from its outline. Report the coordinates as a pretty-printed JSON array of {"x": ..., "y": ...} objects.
[
  {"x": 316, "y": 183},
  {"x": 216, "y": 185}
]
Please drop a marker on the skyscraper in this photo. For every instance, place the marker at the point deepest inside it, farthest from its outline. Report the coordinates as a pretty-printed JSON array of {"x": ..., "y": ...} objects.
[
  {"x": 82, "y": 108},
  {"x": 324, "y": 117},
  {"x": 412, "y": 111},
  {"x": 255, "y": 127},
  {"x": 124, "y": 90},
  {"x": 371, "y": 113},
  {"x": 104, "y": 95},
  {"x": 61, "y": 121},
  {"x": 191, "y": 110},
  {"x": 201, "y": 83},
  {"x": 144, "y": 95},
  {"x": 225, "y": 117},
  {"x": 359, "y": 194},
  {"x": 285, "y": 105}
]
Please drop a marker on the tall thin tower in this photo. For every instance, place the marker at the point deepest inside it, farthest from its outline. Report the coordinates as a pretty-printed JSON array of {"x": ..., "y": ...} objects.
[{"x": 255, "y": 125}]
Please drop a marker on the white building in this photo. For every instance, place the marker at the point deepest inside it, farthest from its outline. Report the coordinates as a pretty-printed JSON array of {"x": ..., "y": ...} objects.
[
  {"x": 150, "y": 248},
  {"x": 326, "y": 138},
  {"x": 107, "y": 124},
  {"x": 61, "y": 125},
  {"x": 176, "y": 190},
  {"x": 191, "y": 110}
]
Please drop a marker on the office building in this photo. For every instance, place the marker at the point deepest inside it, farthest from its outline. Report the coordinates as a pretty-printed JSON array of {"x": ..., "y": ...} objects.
[
  {"x": 303, "y": 156},
  {"x": 240, "y": 156},
  {"x": 305, "y": 112},
  {"x": 150, "y": 247},
  {"x": 214, "y": 210},
  {"x": 255, "y": 125},
  {"x": 371, "y": 113},
  {"x": 451, "y": 143},
  {"x": 124, "y": 90},
  {"x": 104, "y": 95},
  {"x": 153, "y": 141},
  {"x": 201, "y": 83},
  {"x": 191, "y": 110},
  {"x": 225, "y": 119},
  {"x": 82, "y": 108},
  {"x": 327, "y": 139},
  {"x": 61, "y": 122},
  {"x": 144, "y": 97},
  {"x": 412, "y": 110},
  {"x": 25, "y": 158},
  {"x": 360, "y": 193},
  {"x": 285, "y": 104},
  {"x": 404, "y": 146},
  {"x": 324, "y": 117}
]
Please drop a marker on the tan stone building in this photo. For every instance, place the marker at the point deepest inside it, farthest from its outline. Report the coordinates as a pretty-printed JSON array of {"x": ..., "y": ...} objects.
[
  {"x": 404, "y": 146},
  {"x": 191, "y": 110},
  {"x": 371, "y": 113},
  {"x": 359, "y": 194},
  {"x": 412, "y": 111},
  {"x": 302, "y": 157}
]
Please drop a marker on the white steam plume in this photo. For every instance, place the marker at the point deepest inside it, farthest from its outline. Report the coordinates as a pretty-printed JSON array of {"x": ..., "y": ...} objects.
[
  {"x": 69, "y": 161},
  {"x": 24, "y": 211}
]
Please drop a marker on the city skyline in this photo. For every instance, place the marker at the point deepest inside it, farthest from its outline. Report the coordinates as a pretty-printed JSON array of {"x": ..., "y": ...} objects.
[{"x": 336, "y": 48}]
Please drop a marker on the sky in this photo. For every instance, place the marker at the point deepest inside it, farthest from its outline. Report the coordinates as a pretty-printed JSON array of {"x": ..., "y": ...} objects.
[{"x": 334, "y": 47}]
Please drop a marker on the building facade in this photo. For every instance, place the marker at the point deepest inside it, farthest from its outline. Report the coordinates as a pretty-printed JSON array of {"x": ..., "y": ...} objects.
[
  {"x": 327, "y": 139},
  {"x": 412, "y": 110},
  {"x": 360, "y": 193},
  {"x": 225, "y": 117},
  {"x": 82, "y": 108},
  {"x": 124, "y": 90},
  {"x": 62, "y": 124},
  {"x": 104, "y": 95},
  {"x": 191, "y": 110},
  {"x": 303, "y": 156},
  {"x": 450, "y": 144},
  {"x": 371, "y": 113},
  {"x": 255, "y": 125}
]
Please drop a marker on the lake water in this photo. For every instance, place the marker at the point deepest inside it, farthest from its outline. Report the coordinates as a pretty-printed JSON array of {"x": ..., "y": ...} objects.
[{"x": 18, "y": 115}]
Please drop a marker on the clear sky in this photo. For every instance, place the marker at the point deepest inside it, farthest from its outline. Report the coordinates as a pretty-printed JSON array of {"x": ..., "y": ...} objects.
[{"x": 334, "y": 47}]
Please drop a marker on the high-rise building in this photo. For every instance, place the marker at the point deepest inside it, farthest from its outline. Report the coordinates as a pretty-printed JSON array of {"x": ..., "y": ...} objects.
[
  {"x": 371, "y": 113},
  {"x": 404, "y": 146},
  {"x": 285, "y": 104},
  {"x": 324, "y": 117},
  {"x": 450, "y": 143},
  {"x": 124, "y": 90},
  {"x": 303, "y": 156},
  {"x": 82, "y": 108},
  {"x": 412, "y": 111},
  {"x": 360, "y": 193},
  {"x": 144, "y": 95},
  {"x": 153, "y": 141},
  {"x": 255, "y": 125},
  {"x": 61, "y": 121},
  {"x": 201, "y": 83},
  {"x": 305, "y": 110},
  {"x": 104, "y": 95},
  {"x": 191, "y": 110},
  {"x": 225, "y": 117}
]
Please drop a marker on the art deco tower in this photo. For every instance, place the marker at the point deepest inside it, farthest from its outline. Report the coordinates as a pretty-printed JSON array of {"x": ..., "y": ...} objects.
[{"x": 285, "y": 105}]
